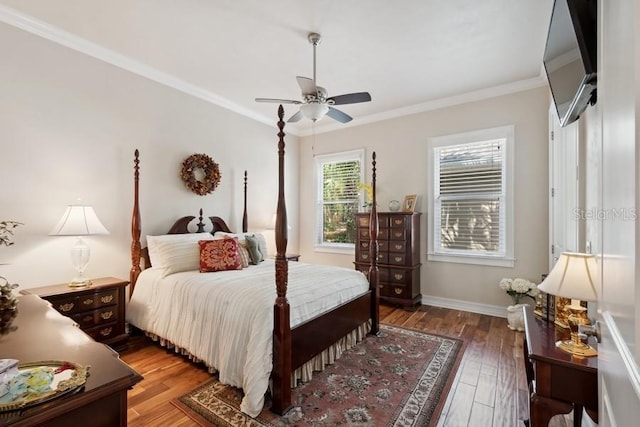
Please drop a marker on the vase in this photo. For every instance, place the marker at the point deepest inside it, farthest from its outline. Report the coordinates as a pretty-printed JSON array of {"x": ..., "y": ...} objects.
[{"x": 515, "y": 317}]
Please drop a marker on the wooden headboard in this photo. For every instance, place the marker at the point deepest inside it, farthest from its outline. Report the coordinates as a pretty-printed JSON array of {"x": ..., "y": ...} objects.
[{"x": 181, "y": 226}]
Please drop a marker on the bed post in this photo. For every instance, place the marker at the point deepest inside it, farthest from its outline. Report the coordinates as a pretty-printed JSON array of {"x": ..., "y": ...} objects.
[
  {"x": 245, "y": 225},
  {"x": 135, "y": 226},
  {"x": 373, "y": 254},
  {"x": 281, "y": 374}
]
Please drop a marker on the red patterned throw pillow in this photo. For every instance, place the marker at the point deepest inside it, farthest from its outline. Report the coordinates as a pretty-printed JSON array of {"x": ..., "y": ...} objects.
[{"x": 219, "y": 255}]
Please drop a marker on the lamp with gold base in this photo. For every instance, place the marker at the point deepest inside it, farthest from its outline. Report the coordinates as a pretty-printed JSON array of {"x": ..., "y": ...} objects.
[{"x": 574, "y": 276}]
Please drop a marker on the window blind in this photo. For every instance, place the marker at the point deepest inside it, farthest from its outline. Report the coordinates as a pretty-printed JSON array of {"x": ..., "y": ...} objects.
[
  {"x": 338, "y": 178},
  {"x": 469, "y": 203}
]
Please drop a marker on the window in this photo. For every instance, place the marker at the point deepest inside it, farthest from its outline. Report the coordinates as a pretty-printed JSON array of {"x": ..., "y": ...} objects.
[
  {"x": 472, "y": 197},
  {"x": 338, "y": 176}
]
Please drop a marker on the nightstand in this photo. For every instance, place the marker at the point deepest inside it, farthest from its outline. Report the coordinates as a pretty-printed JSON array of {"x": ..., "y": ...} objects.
[{"x": 98, "y": 309}]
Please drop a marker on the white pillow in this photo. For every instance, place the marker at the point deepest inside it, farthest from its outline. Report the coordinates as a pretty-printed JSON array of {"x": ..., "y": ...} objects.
[
  {"x": 176, "y": 252},
  {"x": 239, "y": 236}
]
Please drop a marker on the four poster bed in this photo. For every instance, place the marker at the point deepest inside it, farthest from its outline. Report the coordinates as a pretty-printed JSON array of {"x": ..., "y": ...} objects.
[{"x": 311, "y": 314}]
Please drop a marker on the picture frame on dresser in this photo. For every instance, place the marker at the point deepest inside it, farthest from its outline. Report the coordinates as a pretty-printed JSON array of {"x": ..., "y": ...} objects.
[{"x": 409, "y": 203}]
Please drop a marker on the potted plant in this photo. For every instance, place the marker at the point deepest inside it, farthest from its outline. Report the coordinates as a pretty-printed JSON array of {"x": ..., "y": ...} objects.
[
  {"x": 8, "y": 301},
  {"x": 517, "y": 289}
]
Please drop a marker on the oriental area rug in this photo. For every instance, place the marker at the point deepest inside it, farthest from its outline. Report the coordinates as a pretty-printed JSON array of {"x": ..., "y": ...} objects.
[{"x": 401, "y": 378}]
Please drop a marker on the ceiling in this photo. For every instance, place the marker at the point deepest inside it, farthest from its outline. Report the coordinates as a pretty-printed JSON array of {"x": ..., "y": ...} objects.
[{"x": 423, "y": 55}]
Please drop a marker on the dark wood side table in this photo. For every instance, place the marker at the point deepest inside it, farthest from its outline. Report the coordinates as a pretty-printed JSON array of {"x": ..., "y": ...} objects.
[
  {"x": 558, "y": 381},
  {"x": 43, "y": 334},
  {"x": 99, "y": 309}
]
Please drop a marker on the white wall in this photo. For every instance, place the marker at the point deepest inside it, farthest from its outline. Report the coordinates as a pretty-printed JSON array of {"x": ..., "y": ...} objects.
[
  {"x": 68, "y": 127},
  {"x": 401, "y": 147}
]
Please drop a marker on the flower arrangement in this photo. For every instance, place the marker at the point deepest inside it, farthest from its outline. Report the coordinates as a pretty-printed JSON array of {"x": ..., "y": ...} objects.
[
  {"x": 518, "y": 288},
  {"x": 368, "y": 193}
]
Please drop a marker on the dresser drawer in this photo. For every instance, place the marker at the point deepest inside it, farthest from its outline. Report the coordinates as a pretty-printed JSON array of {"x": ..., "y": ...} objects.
[
  {"x": 397, "y": 246},
  {"x": 363, "y": 221},
  {"x": 363, "y": 233},
  {"x": 399, "y": 277},
  {"x": 363, "y": 257},
  {"x": 397, "y": 234},
  {"x": 395, "y": 291},
  {"x": 398, "y": 221},
  {"x": 397, "y": 259}
]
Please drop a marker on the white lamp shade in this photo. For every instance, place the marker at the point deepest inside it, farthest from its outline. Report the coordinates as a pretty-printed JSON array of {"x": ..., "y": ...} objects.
[
  {"x": 574, "y": 276},
  {"x": 314, "y": 110},
  {"x": 79, "y": 220}
]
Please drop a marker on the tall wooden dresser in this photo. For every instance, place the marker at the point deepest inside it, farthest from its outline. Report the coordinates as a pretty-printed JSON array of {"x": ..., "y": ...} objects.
[{"x": 398, "y": 255}]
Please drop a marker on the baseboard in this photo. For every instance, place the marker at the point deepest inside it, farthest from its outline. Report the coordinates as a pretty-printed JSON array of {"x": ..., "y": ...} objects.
[{"x": 473, "y": 307}]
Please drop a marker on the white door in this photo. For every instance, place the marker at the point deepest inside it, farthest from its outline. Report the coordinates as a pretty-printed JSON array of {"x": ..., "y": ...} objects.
[
  {"x": 564, "y": 207},
  {"x": 613, "y": 163}
]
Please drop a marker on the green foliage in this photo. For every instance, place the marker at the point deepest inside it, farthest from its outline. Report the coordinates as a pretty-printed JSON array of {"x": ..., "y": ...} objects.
[{"x": 6, "y": 232}]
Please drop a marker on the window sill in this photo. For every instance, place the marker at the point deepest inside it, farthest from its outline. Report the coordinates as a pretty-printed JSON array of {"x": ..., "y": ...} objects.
[
  {"x": 344, "y": 250},
  {"x": 470, "y": 259}
]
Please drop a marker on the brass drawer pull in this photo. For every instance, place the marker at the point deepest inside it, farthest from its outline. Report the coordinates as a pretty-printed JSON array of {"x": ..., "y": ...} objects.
[
  {"x": 87, "y": 319},
  {"x": 365, "y": 245},
  {"x": 106, "y": 299},
  {"x": 365, "y": 256},
  {"x": 398, "y": 246},
  {"x": 399, "y": 276},
  {"x": 88, "y": 301},
  {"x": 66, "y": 307},
  {"x": 397, "y": 259},
  {"x": 106, "y": 331},
  {"x": 106, "y": 315},
  {"x": 398, "y": 291},
  {"x": 397, "y": 234}
]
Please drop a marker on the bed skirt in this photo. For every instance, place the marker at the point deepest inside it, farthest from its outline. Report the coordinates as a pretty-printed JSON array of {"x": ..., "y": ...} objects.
[{"x": 305, "y": 372}]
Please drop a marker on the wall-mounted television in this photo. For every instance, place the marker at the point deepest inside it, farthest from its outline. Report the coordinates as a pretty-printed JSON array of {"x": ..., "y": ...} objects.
[{"x": 570, "y": 59}]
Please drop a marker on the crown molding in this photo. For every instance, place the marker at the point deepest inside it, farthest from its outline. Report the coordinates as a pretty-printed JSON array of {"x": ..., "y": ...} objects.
[
  {"x": 42, "y": 29},
  {"x": 478, "y": 95},
  {"x": 49, "y": 32}
]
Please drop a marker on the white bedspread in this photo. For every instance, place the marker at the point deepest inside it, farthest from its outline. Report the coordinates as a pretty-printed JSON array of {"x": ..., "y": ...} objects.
[{"x": 226, "y": 318}]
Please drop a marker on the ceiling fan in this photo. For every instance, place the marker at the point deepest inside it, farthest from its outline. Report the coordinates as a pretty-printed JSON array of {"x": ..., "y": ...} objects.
[{"x": 315, "y": 103}]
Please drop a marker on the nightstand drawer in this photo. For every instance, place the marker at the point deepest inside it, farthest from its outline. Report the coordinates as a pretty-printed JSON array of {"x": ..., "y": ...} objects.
[
  {"x": 104, "y": 332},
  {"x": 99, "y": 299},
  {"x": 96, "y": 317}
]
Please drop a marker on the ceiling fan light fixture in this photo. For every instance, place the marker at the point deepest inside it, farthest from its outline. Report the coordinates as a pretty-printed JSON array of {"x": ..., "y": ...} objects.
[{"x": 314, "y": 111}]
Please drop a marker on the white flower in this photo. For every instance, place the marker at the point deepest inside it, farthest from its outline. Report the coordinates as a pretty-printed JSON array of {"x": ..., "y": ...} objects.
[
  {"x": 521, "y": 286},
  {"x": 505, "y": 284},
  {"x": 534, "y": 292}
]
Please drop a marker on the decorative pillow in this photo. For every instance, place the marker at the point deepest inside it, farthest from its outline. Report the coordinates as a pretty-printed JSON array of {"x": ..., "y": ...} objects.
[
  {"x": 254, "y": 249},
  {"x": 262, "y": 244},
  {"x": 219, "y": 255},
  {"x": 175, "y": 252},
  {"x": 245, "y": 258}
]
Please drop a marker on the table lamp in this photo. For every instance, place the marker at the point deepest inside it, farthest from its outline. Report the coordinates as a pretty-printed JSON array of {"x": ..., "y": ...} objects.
[
  {"x": 79, "y": 220},
  {"x": 574, "y": 277}
]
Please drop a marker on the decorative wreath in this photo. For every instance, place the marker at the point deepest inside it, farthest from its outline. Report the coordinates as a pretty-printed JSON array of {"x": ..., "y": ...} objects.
[{"x": 210, "y": 169}]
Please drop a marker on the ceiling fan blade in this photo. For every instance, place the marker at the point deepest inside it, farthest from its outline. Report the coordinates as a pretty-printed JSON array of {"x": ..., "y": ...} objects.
[
  {"x": 307, "y": 86},
  {"x": 281, "y": 101},
  {"x": 339, "y": 115},
  {"x": 296, "y": 117},
  {"x": 350, "y": 98}
]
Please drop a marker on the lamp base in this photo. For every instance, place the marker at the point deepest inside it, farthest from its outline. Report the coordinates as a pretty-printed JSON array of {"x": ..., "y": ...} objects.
[
  {"x": 581, "y": 349},
  {"x": 80, "y": 283}
]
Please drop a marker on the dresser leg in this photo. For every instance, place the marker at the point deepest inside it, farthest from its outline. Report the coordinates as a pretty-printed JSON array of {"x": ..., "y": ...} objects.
[{"x": 542, "y": 409}]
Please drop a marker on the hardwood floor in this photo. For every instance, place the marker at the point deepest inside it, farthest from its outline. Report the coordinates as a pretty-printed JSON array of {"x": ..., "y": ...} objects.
[{"x": 489, "y": 388}]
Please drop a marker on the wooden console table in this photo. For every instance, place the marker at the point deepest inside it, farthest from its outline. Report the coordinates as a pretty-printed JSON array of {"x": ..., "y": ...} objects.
[
  {"x": 558, "y": 381},
  {"x": 43, "y": 334}
]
